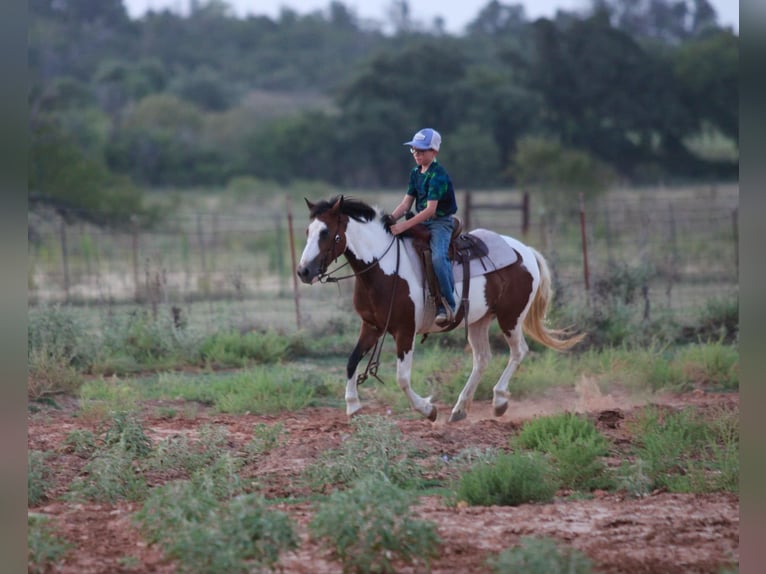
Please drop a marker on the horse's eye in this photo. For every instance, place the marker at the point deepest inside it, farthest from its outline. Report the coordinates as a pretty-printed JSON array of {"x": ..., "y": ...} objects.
[{"x": 337, "y": 238}]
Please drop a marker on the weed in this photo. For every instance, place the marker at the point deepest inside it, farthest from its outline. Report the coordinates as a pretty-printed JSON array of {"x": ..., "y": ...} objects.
[
  {"x": 376, "y": 445},
  {"x": 265, "y": 439},
  {"x": 575, "y": 445},
  {"x": 541, "y": 556},
  {"x": 712, "y": 365},
  {"x": 59, "y": 332},
  {"x": 44, "y": 548},
  {"x": 101, "y": 398},
  {"x": 110, "y": 476},
  {"x": 508, "y": 480},
  {"x": 263, "y": 390},
  {"x": 38, "y": 477},
  {"x": 127, "y": 432},
  {"x": 81, "y": 442},
  {"x": 50, "y": 373},
  {"x": 370, "y": 527},
  {"x": 233, "y": 349},
  {"x": 683, "y": 453}
]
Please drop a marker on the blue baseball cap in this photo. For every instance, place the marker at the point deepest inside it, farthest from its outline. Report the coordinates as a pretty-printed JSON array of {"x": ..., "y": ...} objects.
[{"x": 426, "y": 138}]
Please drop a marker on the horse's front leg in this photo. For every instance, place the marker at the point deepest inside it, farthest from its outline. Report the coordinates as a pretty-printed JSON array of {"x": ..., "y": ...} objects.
[
  {"x": 368, "y": 336},
  {"x": 404, "y": 351}
]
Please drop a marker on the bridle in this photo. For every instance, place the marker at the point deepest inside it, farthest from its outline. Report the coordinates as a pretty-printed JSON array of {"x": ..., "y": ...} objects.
[
  {"x": 332, "y": 256},
  {"x": 327, "y": 277}
]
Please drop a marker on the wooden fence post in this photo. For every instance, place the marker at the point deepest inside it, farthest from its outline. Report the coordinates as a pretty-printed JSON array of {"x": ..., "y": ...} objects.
[
  {"x": 584, "y": 246},
  {"x": 134, "y": 249},
  {"x": 296, "y": 293},
  {"x": 525, "y": 214},
  {"x": 64, "y": 258},
  {"x": 467, "y": 211}
]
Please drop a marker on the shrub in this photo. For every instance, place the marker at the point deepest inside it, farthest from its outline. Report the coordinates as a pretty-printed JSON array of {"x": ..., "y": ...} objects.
[
  {"x": 575, "y": 445},
  {"x": 509, "y": 480},
  {"x": 102, "y": 398},
  {"x": 541, "y": 556},
  {"x": 180, "y": 453},
  {"x": 719, "y": 321},
  {"x": 713, "y": 365},
  {"x": 44, "y": 548},
  {"x": 265, "y": 439},
  {"x": 375, "y": 446},
  {"x": 370, "y": 528},
  {"x": 208, "y": 534},
  {"x": 38, "y": 476}
]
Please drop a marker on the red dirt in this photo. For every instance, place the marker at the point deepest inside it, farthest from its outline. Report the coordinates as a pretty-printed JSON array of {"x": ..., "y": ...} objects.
[{"x": 660, "y": 533}]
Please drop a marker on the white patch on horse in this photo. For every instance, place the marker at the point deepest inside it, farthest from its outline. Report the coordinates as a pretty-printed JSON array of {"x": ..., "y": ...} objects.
[{"x": 311, "y": 251}]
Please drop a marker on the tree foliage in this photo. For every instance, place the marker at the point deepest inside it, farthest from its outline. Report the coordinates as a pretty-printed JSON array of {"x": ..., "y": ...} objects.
[{"x": 198, "y": 99}]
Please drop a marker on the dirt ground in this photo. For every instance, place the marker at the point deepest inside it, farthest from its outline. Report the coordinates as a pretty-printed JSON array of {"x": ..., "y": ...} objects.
[{"x": 660, "y": 533}]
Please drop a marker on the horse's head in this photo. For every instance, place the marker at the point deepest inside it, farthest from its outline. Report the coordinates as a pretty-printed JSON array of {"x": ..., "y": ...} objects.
[{"x": 325, "y": 238}]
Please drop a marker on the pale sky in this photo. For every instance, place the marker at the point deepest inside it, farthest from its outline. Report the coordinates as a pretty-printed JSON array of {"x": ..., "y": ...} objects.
[{"x": 456, "y": 13}]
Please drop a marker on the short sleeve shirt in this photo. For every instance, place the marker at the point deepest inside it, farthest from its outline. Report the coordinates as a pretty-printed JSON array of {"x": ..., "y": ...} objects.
[{"x": 434, "y": 184}]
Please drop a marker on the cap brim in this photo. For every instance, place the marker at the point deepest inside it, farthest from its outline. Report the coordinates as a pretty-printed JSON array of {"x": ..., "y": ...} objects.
[{"x": 417, "y": 145}]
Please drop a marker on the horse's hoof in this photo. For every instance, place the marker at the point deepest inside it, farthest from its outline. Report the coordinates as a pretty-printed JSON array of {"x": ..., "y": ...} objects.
[
  {"x": 458, "y": 416},
  {"x": 500, "y": 409},
  {"x": 353, "y": 409},
  {"x": 432, "y": 414}
]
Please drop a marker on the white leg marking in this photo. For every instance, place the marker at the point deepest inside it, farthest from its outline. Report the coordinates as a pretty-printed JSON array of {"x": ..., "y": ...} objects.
[
  {"x": 403, "y": 378},
  {"x": 518, "y": 350},
  {"x": 352, "y": 396},
  {"x": 478, "y": 337}
]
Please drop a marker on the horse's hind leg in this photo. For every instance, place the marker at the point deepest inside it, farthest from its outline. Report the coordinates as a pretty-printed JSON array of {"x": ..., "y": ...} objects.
[
  {"x": 478, "y": 337},
  {"x": 368, "y": 336},
  {"x": 518, "y": 350}
]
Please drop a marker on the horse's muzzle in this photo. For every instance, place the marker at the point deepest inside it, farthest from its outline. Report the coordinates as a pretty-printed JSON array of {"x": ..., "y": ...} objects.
[{"x": 306, "y": 274}]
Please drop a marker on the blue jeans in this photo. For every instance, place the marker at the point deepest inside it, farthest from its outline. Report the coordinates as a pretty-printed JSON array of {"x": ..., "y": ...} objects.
[{"x": 441, "y": 233}]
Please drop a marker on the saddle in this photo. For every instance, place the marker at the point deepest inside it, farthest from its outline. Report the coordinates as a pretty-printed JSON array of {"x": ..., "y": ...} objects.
[{"x": 462, "y": 249}]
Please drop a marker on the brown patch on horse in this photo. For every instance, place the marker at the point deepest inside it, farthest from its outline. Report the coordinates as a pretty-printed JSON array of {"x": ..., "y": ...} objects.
[
  {"x": 507, "y": 293},
  {"x": 391, "y": 308}
]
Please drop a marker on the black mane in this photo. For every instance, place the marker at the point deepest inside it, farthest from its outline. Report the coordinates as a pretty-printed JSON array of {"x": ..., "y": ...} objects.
[{"x": 354, "y": 208}]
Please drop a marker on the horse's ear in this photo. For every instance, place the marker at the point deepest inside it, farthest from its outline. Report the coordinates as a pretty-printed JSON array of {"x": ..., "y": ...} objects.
[
  {"x": 310, "y": 205},
  {"x": 338, "y": 204}
]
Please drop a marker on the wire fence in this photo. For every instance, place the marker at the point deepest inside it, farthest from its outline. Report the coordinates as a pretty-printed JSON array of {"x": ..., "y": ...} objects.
[{"x": 680, "y": 244}]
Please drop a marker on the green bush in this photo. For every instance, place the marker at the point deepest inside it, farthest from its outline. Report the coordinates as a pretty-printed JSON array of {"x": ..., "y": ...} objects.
[
  {"x": 38, "y": 477},
  {"x": 44, "y": 548},
  {"x": 185, "y": 455},
  {"x": 508, "y": 480},
  {"x": 81, "y": 442},
  {"x": 370, "y": 528},
  {"x": 375, "y": 446},
  {"x": 50, "y": 374},
  {"x": 575, "y": 445},
  {"x": 719, "y": 321},
  {"x": 713, "y": 365},
  {"x": 541, "y": 556},
  {"x": 206, "y": 533},
  {"x": 265, "y": 439}
]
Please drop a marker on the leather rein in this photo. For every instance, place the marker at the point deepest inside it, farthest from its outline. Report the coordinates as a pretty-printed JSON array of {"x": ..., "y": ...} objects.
[{"x": 374, "y": 361}]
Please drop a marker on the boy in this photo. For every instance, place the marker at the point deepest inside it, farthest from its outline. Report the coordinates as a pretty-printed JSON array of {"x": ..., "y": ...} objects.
[{"x": 430, "y": 189}]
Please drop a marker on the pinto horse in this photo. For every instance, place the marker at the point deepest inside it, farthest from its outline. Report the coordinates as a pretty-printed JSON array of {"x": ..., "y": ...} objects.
[{"x": 389, "y": 298}]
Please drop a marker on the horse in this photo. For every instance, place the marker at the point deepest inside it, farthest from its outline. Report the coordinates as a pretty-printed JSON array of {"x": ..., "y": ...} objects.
[{"x": 389, "y": 298}]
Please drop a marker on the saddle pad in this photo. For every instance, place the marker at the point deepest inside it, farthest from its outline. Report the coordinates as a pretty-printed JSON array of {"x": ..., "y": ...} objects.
[{"x": 500, "y": 255}]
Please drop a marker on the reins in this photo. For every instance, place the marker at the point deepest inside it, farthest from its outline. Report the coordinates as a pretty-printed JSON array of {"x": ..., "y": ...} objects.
[{"x": 328, "y": 278}]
